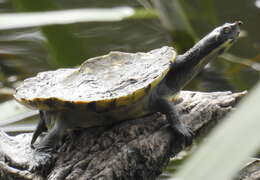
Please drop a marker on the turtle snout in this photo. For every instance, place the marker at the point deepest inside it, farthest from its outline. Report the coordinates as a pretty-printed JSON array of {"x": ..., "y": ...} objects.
[{"x": 235, "y": 28}]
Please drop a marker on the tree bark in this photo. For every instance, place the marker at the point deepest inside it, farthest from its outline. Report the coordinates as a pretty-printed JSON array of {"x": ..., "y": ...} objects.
[
  {"x": 250, "y": 172},
  {"x": 131, "y": 150}
]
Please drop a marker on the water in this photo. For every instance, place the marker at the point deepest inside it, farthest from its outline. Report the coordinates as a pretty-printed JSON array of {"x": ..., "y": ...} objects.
[{"x": 23, "y": 52}]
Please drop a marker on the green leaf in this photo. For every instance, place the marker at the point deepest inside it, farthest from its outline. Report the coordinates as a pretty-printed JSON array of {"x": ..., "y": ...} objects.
[
  {"x": 174, "y": 19},
  {"x": 14, "y": 112},
  {"x": 66, "y": 48},
  {"x": 32, "y": 19}
]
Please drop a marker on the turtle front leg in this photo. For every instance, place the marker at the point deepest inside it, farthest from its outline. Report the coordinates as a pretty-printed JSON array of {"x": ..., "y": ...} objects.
[
  {"x": 44, "y": 151},
  {"x": 41, "y": 127},
  {"x": 167, "y": 108}
]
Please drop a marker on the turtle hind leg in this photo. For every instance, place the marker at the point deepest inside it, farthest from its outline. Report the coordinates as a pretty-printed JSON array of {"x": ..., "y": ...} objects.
[
  {"x": 167, "y": 108},
  {"x": 44, "y": 153},
  {"x": 41, "y": 127}
]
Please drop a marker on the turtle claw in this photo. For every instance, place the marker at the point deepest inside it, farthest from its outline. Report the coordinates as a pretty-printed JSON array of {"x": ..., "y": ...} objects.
[
  {"x": 188, "y": 138},
  {"x": 41, "y": 162},
  {"x": 185, "y": 133}
]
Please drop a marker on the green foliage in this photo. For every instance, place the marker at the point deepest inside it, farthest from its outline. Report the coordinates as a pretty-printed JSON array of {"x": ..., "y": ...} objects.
[
  {"x": 34, "y": 6},
  {"x": 175, "y": 20},
  {"x": 144, "y": 14},
  {"x": 66, "y": 48}
]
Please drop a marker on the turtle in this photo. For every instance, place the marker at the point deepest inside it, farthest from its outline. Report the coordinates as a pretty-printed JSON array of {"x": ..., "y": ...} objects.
[{"x": 115, "y": 87}]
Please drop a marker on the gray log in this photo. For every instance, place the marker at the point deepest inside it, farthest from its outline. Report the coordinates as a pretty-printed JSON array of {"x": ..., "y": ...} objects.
[
  {"x": 250, "y": 172},
  {"x": 132, "y": 150}
]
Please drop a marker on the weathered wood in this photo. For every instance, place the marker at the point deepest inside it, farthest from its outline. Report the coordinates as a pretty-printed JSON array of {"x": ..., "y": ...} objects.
[
  {"x": 250, "y": 172},
  {"x": 134, "y": 149}
]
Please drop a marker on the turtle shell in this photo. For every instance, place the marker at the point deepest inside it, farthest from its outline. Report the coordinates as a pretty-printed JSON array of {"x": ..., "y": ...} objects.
[{"x": 110, "y": 81}]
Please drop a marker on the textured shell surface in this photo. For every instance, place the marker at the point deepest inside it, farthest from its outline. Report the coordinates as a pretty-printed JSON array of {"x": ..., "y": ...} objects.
[{"x": 107, "y": 77}]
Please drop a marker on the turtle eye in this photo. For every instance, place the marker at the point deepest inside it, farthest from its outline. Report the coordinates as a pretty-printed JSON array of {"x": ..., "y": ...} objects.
[{"x": 226, "y": 30}]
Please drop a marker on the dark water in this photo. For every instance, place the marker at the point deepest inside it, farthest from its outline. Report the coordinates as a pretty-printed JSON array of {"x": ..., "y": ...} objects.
[{"x": 23, "y": 52}]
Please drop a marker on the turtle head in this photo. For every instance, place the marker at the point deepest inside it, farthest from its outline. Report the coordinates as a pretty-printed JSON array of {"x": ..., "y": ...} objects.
[
  {"x": 221, "y": 38},
  {"x": 213, "y": 44},
  {"x": 192, "y": 62}
]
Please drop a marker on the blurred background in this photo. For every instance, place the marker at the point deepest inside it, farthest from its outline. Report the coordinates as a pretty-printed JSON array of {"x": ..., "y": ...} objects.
[{"x": 153, "y": 23}]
